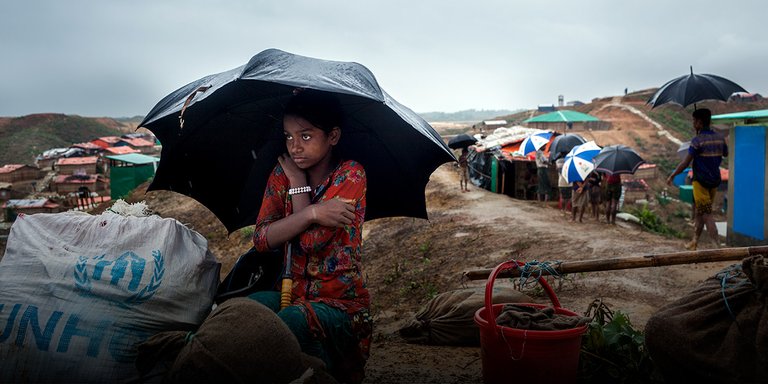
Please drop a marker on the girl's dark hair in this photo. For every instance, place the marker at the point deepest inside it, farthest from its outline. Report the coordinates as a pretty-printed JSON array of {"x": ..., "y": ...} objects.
[{"x": 321, "y": 109}]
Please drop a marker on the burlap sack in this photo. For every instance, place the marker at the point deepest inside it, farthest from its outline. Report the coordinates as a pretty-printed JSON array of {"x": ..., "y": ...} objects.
[
  {"x": 78, "y": 292},
  {"x": 448, "y": 319},
  {"x": 718, "y": 333},
  {"x": 242, "y": 341}
]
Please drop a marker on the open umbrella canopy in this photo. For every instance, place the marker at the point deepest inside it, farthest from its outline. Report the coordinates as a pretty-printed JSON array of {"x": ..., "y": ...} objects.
[
  {"x": 578, "y": 162},
  {"x": 563, "y": 144},
  {"x": 564, "y": 116},
  {"x": 533, "y": 142},
  {"x": 617, "y": 159},
  {"x": 693, "y": 88},
  {"x": 222, "y": 134},
  {"x": 461, "y": 141}
]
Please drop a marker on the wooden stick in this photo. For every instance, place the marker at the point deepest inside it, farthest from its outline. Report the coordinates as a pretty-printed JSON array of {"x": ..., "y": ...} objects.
[{"x": 688, "y": 257}]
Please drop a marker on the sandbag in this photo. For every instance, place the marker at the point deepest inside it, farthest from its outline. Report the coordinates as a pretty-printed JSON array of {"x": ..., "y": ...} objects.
[
  {"x": 241, "y": 341},
  {"x": 717, "y": 333},
  {"x": 448, "y": 319},
  {"x": 78, "y": 292}
]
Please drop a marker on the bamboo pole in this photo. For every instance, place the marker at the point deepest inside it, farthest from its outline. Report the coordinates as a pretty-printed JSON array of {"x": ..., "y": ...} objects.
[{"x": 676, "y": 258}]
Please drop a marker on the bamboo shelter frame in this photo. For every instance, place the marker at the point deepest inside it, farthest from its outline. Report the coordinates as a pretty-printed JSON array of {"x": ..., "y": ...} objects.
[{"x": 630, "y": 262}]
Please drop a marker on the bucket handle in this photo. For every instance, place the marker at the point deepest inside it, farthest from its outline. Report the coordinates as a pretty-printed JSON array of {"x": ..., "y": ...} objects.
[{"x": 511, "y": 264}]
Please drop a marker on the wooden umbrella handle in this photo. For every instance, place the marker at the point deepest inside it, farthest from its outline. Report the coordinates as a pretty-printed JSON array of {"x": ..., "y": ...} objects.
[{"x": 285, "y": 293}]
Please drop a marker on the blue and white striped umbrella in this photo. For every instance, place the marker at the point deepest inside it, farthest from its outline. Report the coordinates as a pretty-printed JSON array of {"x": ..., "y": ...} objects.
[
  {"x": 578, "y": 162},
  {"x": 533, "y": 142}
]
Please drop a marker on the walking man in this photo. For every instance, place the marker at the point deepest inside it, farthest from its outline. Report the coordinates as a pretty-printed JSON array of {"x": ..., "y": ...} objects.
[{"x": 706, "y": 153}]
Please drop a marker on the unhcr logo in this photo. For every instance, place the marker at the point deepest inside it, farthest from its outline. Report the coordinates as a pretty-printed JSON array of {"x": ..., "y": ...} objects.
[{"x": 126, "y": 273}]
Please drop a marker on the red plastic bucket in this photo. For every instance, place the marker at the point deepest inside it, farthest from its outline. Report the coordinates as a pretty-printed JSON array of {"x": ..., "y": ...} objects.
[{"x": 518, "y": 355}]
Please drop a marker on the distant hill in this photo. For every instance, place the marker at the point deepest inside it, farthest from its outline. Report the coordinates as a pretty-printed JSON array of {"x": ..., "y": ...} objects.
[
  {"x": 466, "y": 115},
  {"x": 23, "y": 138}
]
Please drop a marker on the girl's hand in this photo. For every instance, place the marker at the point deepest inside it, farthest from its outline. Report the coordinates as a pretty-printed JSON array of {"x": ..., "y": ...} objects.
[
  {"x": 296, "y": 175},
  {"x": 333, "y": 212}
]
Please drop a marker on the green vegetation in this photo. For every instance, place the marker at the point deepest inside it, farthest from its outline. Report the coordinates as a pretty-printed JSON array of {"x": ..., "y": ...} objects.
[
  {"x": 411, "y": 274},
  {"x": 613, "y": 351},
  {"x": 676, "y": 120},
  {"x": 650, "y": 221},
  {"x": 23, "y": 138}
]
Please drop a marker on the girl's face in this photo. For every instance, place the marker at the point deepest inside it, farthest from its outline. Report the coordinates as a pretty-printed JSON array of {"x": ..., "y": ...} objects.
[{"x": 308, "y": 145}]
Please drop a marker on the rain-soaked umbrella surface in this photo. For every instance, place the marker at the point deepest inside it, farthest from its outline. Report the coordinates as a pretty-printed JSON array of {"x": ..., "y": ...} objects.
[
  {"x": 578, "y": 162},
  {"x": 534, "y": 142},
  {"x": 563, "y": 144},
  {"x": 693, "y": 88},
  {"x": 617, "y": 159},
  {"x": 232, "y": 134},
  {"x": 461, "y": 141}
]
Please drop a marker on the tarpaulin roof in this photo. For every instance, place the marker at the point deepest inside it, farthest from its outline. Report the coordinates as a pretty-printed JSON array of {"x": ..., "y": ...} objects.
[
  {"x": 124, "y": 150},
  {"x": 563, "y": 116},
  {"x": 77, "y": 160},
  {"x": 505, "y": 136},
  {"x": 134, "y": 158},
  {"x": 749, "y": 117}
]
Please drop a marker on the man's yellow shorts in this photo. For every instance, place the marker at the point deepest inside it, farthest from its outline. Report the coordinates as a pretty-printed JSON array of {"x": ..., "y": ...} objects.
[{"x": 703, "y": 197}]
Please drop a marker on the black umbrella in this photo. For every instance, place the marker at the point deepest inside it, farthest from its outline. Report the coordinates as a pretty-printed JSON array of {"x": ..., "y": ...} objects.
[
  {"x": 617, "y": 159},
  {"x": 221, "y": 136},
  {"x": 693, "y": 88},
  {"x": 563, "y": 144},
  {"x": 461, "y": 141}
]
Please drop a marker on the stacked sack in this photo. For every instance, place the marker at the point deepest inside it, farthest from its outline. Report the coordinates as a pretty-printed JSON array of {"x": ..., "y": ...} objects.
[{"x": 79, "y": 292}]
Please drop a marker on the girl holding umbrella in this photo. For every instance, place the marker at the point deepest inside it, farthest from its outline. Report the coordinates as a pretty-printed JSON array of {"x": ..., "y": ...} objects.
[{"x": 316, "y": 202}]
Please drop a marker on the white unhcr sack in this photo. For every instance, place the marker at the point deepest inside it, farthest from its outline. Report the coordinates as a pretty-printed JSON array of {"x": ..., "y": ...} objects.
[{"x": 79, "y": 292}]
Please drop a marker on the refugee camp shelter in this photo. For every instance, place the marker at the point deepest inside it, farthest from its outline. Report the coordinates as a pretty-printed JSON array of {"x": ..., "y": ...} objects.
[
  {"x": 11, "y": 173},
  {"x": 89, "y": 149},
  {"x": 748, "y": 177},
  {"x": 106, "y": 141},
  {"x": 79, "y": 165},
  {"x": 65, "y": 184},
  {"x": 496, "y": 164},
  {"x": 126, "y": 172},
  {"x": 137, "y": 143}
]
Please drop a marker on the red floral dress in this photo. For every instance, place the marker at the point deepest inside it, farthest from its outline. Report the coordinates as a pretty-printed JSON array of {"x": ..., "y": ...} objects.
[{"x": 326, "y": 265}]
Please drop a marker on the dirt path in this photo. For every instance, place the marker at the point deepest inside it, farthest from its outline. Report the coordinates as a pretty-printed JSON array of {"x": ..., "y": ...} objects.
[{"x": 480, "y": 229}]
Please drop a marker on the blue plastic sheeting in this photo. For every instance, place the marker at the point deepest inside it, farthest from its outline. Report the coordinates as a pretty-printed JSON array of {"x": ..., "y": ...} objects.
[
  {"x": 680, "y": 179},
  {"x": 749, "y": 181}
]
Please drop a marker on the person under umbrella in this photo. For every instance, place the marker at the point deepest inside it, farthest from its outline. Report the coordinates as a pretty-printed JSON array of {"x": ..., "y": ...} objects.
[
  {"x": 615, "y": 160},
  {"x": 576, "y": 168},
  {"x": 464, "y": 170},
  {"x": 318, "y": 198},
  {"x": 222, "y": 136},
  {"x": 462, "y": 141}
]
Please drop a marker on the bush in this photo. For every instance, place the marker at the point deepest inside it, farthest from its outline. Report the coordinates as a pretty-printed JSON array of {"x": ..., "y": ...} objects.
[
  {"x": 613, "y": 351},
  {"x": 653, "y": 223}
]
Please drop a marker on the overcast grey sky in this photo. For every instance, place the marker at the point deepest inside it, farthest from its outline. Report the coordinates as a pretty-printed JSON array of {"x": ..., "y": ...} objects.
[{"x": 118, "y": 58}]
